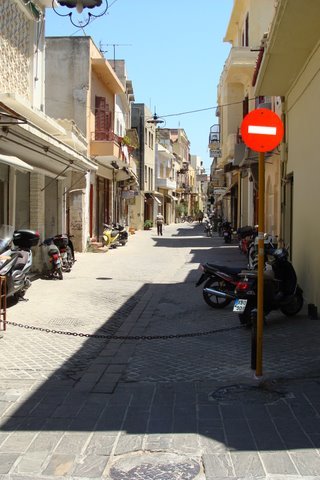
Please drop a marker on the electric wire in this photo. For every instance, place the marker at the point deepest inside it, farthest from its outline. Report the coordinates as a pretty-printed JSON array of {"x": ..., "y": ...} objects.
[{"x": 222, "y": 105}]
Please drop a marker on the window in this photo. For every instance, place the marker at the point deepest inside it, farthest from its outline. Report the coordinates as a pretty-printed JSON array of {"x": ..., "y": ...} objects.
[
  {"x": 245, "y": 106},
  {"x": 102, "y": 119},
  {"x": 151, "y": 178},
  {"x": 245, "y": 32},
  {"x": 151, "y": 140}
]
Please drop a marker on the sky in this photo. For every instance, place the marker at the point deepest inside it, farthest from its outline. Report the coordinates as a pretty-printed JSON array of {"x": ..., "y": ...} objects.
[{"x": 174, "y": 54}]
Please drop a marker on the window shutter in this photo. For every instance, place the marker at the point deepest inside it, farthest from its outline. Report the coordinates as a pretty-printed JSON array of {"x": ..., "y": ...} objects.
[
  {"x": 100, "y": 118},
  {"x": 108, "y": 118}
]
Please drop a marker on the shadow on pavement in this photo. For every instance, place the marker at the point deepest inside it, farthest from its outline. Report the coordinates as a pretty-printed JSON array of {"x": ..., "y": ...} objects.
[{"x": 151, "y": 390}]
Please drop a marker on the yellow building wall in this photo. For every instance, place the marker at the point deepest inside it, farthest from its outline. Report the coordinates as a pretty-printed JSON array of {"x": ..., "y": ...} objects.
[{"x": 303, "y": 106}]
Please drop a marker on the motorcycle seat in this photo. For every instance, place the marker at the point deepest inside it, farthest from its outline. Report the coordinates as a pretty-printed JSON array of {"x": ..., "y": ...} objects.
[
  {"x": 213, "y": 267},
  {"x": 22, "y": 260}
]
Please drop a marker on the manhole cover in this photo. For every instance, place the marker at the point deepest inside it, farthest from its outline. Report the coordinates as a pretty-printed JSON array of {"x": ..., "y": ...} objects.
[
  {"x": 246, "y": 393},
  {"x": 150, "y": 466}
]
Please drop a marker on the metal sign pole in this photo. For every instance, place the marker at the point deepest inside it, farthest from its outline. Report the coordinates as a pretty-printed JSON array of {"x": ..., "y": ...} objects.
[
  {"x": 261, "y": 262},
  {"x": 262, "y": 131}
]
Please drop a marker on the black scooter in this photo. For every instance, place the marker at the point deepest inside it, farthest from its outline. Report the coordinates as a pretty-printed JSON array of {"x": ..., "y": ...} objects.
[
  {"x": 281, "y": 289},
  {"x": 227, "y": 232}
]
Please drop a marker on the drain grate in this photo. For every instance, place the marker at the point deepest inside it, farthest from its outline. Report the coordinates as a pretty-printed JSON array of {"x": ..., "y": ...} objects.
[
  {"x": 246, "y": 394},
  {"x": 151, "y": 466}
]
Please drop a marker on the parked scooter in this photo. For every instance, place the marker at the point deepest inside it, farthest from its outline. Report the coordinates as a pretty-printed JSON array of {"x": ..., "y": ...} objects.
[
  {"x": 65, "y": 246},
  {"x": 208, "y": 228},
  {"x": 220, "y": 282},
  {"x": 16, "y": 258},
  {"x": 246, "y": 236},
  {"x": 110, "y": 236},
  {"x": 52, "y": 259},
  {"x": 270, "y": 244},
  {"x": 281, "y": 289},
  {"x": 227, "y": 232},
  {"x": 123, "y": 234}
]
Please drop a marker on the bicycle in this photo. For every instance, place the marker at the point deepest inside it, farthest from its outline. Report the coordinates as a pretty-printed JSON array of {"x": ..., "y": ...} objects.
[{"x": 188, "y": 219}]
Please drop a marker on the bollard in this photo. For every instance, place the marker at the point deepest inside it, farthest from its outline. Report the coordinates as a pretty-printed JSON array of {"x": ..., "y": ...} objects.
[
  {"x": 254, "y": 318},
  {"x": 312, "y": 311}
]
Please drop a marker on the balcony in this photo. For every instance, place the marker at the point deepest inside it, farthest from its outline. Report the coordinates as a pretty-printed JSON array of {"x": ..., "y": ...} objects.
[
  {"x": 231, "y": 141},
  {"x": 286, "y": 53},
  {"x": 214, "y": 137},
  {"x": 106, "y": 145},
  {"x": 166, "y": 183},
  {"x": 240, "y": 63}
]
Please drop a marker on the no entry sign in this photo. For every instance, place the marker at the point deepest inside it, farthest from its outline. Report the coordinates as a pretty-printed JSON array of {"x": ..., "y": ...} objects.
[{"x": 262, "y": 130}]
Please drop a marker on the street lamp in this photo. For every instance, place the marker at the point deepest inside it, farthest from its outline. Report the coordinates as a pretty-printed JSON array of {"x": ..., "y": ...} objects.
[
  {"x": 155, "y": 120},
  {"x": 79, "y": 5}
]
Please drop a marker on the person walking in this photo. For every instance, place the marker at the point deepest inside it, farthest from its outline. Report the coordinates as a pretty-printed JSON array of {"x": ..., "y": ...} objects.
[
  {"x": 159, "y": 222},
  {"x": 200, "y": 216}
]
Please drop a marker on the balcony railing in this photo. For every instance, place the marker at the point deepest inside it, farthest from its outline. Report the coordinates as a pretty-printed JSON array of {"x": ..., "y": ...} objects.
[
  {"x": 166, "y": 183},
  {"x": 107, "y": 144},
  {"x": 106, "y": 136}
]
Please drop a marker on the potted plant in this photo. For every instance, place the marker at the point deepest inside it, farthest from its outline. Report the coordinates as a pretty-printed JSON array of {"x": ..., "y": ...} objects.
[{"x": 147, "y": 224}]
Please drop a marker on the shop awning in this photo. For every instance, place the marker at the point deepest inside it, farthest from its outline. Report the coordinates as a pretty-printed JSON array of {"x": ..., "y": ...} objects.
[
  {"x": 171, "y": 197},
  {"x": 153, "y": 197},
  {"x": 16, "y": 163},
  {"x": 226, "y": 192}
]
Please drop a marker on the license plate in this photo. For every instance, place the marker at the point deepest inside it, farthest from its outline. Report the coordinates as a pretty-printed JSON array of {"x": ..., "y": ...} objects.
[{"x": 239, "y": 305}]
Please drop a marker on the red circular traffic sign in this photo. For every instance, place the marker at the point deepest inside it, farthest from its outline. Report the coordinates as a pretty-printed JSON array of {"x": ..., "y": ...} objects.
[{"x": 262, "y": 130}]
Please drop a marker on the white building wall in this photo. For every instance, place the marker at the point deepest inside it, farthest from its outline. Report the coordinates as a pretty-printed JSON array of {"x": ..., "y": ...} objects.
[
  {"x": 120, "y": 117},
  {"x": 303, "y": 104}
]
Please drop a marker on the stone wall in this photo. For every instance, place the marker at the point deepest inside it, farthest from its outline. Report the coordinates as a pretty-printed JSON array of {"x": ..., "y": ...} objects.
[{"x": 15, "y": 47}]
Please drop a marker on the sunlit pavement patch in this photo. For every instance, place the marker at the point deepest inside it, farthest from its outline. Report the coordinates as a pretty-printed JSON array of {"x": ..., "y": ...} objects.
[{"x": 150, "y": 466}]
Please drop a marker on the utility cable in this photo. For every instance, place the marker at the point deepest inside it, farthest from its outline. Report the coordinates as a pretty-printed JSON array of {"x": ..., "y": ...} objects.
[{"x": 204, "y": 109}]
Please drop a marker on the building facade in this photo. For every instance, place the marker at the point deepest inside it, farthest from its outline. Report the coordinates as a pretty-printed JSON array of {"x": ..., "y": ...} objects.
[
  {"x": 249, "y": 20},
  {"x": 85, "y": 89},
  {"x": 290, "y": 72},
  {"x": 38, "y": 156}
]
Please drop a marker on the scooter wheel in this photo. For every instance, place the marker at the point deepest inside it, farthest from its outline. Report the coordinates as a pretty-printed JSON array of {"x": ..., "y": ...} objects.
[
  {"x": 245, "y": 318},
  {"x": 60, "y": 274},
  {"x": 211, "y": 299},
  {"x": 294, "y": 307}
]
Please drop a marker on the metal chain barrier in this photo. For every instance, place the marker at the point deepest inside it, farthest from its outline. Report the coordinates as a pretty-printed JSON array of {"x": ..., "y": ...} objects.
[{"x": 120, "y": 337}]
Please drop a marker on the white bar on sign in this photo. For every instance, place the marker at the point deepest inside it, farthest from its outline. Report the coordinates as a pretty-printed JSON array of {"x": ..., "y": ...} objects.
[{"x": 262, "y": 130}]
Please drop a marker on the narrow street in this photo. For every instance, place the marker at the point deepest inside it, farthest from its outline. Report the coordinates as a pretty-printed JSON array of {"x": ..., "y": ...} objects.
[{"x": 79, "y": 407}]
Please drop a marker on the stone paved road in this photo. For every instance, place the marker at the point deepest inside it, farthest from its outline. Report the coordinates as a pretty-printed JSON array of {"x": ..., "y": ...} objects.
[{"x": 80, "y": 408}]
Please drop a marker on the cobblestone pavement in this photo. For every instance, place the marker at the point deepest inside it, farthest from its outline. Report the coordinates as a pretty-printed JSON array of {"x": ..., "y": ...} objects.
[{"x": 181, "y": 408}]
